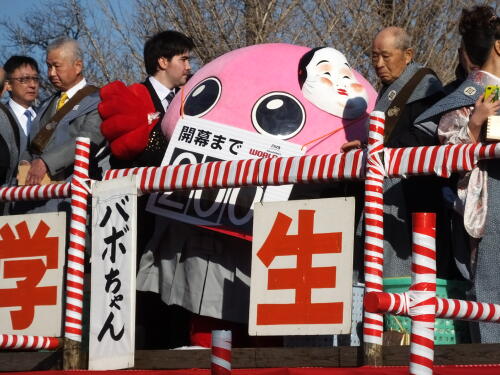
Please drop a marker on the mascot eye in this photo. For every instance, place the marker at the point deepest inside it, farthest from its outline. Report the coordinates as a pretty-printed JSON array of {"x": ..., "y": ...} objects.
[
  {"x": 278, "y": 114},
  {"x": 203, "y": 97}
]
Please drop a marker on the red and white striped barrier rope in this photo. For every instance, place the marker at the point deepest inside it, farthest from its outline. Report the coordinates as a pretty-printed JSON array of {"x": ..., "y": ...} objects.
[
  {"x": 400, "y": 162},
  {"x": 28, "y": 342},
  {"x": 374, "y": 224},
  {"x": 80, "y": 191},
  {"x": 235, "y": 173},
  {"x": 467, "y": 310},
  {"x": 221, "y": 352},
  {"x": 439, "y": 160},
  {"x": 34, "y": 192},
  {"x": 422, "y": 293},
  {"x": 446, "y": 308}
]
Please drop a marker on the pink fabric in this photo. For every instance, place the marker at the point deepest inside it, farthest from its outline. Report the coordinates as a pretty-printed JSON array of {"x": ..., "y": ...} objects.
[
  {"x": 473, "y": 186},
  {"x": 249, "y": 73}
]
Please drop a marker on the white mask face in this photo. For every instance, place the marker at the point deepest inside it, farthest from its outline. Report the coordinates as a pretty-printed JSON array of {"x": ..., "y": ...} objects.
[{"x": 332, "y": 86}]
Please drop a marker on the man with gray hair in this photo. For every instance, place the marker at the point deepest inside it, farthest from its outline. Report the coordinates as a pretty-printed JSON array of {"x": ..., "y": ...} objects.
[
  {"x": 70, "y": 113},
  {"x": 408, "y": 89}
]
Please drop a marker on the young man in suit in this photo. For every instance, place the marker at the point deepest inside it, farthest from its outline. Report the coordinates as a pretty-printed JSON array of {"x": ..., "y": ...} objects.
[{"x": 166, "y": 59}]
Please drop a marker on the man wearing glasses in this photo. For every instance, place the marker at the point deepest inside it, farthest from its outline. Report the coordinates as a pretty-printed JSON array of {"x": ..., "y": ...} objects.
[{"x": 21, "y": 81}]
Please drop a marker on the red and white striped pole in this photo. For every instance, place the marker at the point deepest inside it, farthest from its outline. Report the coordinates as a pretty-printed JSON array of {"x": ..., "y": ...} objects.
[
  {"x": 374, "y": 226},
  {"x": 250, "y": 172},
  {"x": 446, "y": 308},
  {"x": 422, "y": 293},
  {"x": 76, "y": 251},
  {"x": 34, "y": 192},
  {"x": 221, "y": 352},
  {"x": 22, "y": 342}
]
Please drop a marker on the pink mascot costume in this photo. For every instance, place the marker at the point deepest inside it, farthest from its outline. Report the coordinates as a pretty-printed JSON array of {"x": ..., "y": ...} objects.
[
  {"x": 308, "y": 97},
  {"x": 320, "y": 105}
]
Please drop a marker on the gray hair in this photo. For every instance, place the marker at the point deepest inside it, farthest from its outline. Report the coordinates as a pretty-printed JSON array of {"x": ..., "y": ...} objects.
[
  {"x": 402, "y": 39},
  {"x": 69, "y": 44}
]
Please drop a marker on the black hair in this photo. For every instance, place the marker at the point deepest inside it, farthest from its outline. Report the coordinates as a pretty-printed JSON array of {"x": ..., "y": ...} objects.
[
  {"x": 15, "y": 62},
  {"x": 480, "y": 28},
  {"x": 166, "y": 44},
  {"x": 303, "y": 62}
]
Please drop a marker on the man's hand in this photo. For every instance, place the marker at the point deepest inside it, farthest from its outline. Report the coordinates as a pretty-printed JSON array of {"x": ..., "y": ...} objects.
[
  {"x": 37, "y": 170},
  {"x": 352, "y": 145},
  {"x": 482, "y": 110}
]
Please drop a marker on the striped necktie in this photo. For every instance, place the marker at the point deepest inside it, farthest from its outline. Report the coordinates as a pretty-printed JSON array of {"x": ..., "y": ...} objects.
[
  {"x": 169, "y": 98},
  {"x": 29, "y": 115}
]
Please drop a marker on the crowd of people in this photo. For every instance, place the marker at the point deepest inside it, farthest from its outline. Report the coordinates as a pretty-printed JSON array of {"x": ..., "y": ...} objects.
[{"x": 419, "y": 110}]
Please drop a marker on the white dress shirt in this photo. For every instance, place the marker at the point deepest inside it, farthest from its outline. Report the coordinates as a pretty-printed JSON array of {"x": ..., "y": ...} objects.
[
  {"x": 19, "y": 110},
  {"x": 161, "y": 90},
  {"x": 72, "y": 91}
]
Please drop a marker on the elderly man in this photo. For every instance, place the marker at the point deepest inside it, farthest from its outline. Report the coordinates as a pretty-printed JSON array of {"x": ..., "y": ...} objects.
[
  {"x": 408, "y": 89},
  {"x": 71, "y": 112}
]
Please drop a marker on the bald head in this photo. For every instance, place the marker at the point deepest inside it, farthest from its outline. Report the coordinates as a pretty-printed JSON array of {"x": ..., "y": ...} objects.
[
  {"x": 396, "y": 35},
  {"x": 391, "y": 53}
]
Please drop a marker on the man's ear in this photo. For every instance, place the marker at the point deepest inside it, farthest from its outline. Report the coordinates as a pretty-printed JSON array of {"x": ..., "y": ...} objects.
[
  {"x": 408, "y": 55},
  {"x": 163, "y": 63},
  {"x": 497, "y": 46},
  {"x": 79, "y": 66},
  {"x": 8, "y": 86}
]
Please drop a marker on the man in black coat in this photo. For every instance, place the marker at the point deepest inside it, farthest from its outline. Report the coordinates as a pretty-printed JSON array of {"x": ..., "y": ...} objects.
[{"x": 166, "y": 59}]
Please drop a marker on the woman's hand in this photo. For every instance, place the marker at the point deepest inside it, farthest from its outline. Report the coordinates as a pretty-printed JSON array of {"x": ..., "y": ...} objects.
[{"x": 483, "y": 109}]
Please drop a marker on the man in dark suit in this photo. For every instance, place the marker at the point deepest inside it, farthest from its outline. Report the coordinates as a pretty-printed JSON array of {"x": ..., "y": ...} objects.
[
  {"x": 20, "y": 79},
  {"x": 166, "y": 59},
  {"x": 65, "y": 72},
  {"x": 22, "y": 84}
]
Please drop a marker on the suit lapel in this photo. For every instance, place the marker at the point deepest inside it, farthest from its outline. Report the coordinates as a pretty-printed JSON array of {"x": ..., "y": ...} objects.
[
  {"x": 49, "y": 110},
  {"x": 23, "y": 138},
  {"x": 154, "y": 97}
]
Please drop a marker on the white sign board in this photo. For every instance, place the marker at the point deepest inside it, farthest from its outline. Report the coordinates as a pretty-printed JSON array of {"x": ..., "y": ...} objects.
[
  {"x": 197, "y": 140},
  {"x": 112, "y": 307},
  {"x": 32, "y": 257},
  {"x": 301, "y": 280}
]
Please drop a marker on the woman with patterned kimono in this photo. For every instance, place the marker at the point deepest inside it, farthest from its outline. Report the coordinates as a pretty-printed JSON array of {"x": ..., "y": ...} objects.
[{"x": 479, "y": 190}]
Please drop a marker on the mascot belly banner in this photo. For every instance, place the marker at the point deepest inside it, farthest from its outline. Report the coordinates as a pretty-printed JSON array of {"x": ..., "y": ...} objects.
[{"x": 265, "y": 100}]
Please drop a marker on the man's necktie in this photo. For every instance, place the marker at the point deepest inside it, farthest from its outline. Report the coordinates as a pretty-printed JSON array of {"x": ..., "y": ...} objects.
[
  {"x": 170, "y": 96},
  {"x": 62, "y": 100},
  {"x": 28, "y": 114}
]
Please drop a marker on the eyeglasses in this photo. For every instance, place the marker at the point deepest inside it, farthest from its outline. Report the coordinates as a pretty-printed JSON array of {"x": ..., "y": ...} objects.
[{"x": 25, "y": 80}]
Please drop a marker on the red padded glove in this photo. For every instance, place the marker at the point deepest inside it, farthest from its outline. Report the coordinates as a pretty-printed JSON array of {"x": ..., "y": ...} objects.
[{"x": 128, "y": 115}]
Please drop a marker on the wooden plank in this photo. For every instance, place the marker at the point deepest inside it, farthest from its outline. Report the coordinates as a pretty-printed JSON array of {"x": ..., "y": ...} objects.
[
  {"x": 30, "y": 361},
  {"x": 467, "y": 354},
  {"x": 296, "y": 357},
  {"x": 464, "y": 354},
  {"x": 171, "y": 359}
]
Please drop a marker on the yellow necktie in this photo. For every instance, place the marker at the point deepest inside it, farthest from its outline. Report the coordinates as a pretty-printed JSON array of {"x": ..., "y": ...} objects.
[{"x": 62, "y": 100}]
